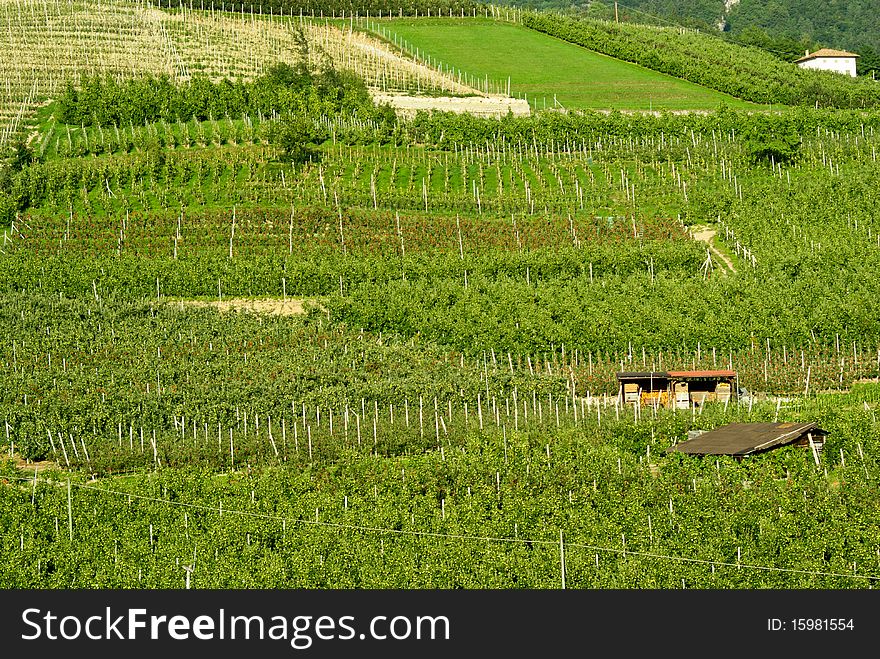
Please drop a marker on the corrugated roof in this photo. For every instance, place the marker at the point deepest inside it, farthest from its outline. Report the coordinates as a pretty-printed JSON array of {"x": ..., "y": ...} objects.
[
  {"x": 746, "y": 438},
  {"x": 702, "y": 374},
  {"x": 642, "y": 375},
  {"x": 826, "y": 52}
]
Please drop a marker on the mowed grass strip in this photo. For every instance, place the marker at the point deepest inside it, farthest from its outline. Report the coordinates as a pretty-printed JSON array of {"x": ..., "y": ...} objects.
[{"x": 540, "y": 66}]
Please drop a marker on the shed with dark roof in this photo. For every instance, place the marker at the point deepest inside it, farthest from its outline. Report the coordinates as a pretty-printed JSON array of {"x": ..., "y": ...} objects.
[{"x": 741, "y": 439}]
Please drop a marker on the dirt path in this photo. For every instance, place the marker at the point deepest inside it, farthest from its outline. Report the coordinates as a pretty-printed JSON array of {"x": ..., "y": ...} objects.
[
  {"x": 288, "y": 307},
  {"x": 482, "y": 106},
  {"x": 706, "y": 235}
]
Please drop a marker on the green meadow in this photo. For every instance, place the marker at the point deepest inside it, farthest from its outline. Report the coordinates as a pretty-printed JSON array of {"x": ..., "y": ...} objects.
[{"x": 540, "y": 67}]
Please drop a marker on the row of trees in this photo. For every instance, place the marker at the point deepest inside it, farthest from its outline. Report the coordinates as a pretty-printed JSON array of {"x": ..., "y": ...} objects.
[
  {"x": 107, "y": 101},
  {"x": 432, "y": 519},
  {"x": 767, "y": 137}
]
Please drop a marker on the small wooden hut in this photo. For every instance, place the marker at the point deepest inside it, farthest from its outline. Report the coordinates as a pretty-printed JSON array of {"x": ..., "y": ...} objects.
[
  {"x": 741, "y": 439},
  {"x": 678, "y": 389}
]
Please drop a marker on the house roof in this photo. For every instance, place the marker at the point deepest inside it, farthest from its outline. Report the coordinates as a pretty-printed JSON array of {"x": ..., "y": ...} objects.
[
  {"x": 747, "y": 438},
  {"x": 826, "y": 52}
]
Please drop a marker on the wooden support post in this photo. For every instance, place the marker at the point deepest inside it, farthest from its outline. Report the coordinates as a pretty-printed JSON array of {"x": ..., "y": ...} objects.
[
  {"x": 562, "y": 558},
  {"x": 813, "y": 448},
  {"x": 69, "y": 511}
]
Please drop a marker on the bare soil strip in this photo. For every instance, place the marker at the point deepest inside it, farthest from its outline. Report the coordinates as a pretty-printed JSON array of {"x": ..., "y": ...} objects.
[
  {"x": 31, "y": 466},
  {"x": 481, "y": 106},
  {"x": 288, "y": 307}
]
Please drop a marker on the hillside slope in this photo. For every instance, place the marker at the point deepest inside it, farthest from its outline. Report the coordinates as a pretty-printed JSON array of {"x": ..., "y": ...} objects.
[
  {"x": 547, "y": 71},
  {"x": 64, "y": 41}
]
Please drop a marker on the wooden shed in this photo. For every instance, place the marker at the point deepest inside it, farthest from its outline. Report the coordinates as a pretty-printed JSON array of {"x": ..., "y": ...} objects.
[
  {"x": 678, "y": 389},
  {"x": 741, "y": 439}
]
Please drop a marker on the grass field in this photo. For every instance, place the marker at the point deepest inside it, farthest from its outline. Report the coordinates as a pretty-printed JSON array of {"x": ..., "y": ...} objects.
[{"x": 540, "y": 66}]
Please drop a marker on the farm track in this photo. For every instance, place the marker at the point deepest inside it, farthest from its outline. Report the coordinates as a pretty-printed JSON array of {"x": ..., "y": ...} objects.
[
  {"x": 494, "y": 105},
  {"x": 286, "y": 307},
  {"x": 706, "y": 235}
]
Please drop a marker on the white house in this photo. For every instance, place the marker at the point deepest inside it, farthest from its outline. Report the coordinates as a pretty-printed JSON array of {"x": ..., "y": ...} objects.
[{"x": 826, "y": 59}]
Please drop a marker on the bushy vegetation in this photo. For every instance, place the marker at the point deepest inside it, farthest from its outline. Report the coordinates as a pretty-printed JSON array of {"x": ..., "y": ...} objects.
[
  {"x": 444, "y": 129},
  {"x": 840, "y": 25},
  {"x": 106, "y": 101},
  {"x": 483, "y": 512}
]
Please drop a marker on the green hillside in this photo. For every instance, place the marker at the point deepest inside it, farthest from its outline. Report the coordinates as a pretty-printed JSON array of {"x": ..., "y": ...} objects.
[{"x": 540, "y": 67}]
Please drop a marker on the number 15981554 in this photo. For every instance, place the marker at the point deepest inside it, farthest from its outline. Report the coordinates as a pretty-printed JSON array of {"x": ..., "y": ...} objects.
[{"x": 810, "y": 624}]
